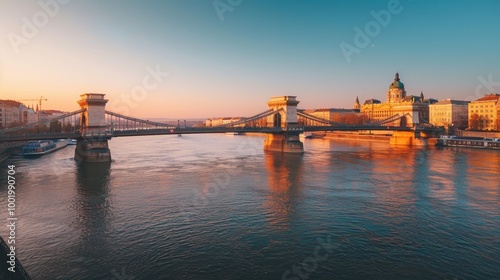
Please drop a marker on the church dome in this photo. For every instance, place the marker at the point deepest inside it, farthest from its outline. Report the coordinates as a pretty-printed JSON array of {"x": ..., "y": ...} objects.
[{"x": 397, "y": 83}]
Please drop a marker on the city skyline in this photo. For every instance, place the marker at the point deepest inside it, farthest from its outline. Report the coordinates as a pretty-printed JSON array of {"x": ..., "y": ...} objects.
[{"x": 197, "y": 59}]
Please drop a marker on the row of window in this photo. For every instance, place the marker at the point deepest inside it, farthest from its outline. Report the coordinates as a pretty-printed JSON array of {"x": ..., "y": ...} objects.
[
  {"x": 473, "y": 143},
  {"x": 481, "y": 106},
  {"x": 448, "y": 114},
  {"x": 440, "y": 120},
  {"x": 485, "y": 116},
  {"x": 481, "y": 111}
]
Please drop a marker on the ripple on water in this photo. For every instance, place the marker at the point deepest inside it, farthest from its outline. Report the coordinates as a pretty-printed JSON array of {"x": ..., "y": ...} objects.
[{"x": 218, "y": 207}]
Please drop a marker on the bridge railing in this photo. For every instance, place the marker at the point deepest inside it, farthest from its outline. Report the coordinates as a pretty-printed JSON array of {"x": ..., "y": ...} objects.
[{"x": 97, "y": 135}]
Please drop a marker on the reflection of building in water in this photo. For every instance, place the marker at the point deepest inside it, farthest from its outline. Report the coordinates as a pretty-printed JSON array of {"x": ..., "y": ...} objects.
[
  {"x": 284, "y": 173},
  {"x": 93, "y": 206},
  {"x": 440, "y": 180},
  {"x": 394, "y": 179},
  {"x": 482, "y": 174}
]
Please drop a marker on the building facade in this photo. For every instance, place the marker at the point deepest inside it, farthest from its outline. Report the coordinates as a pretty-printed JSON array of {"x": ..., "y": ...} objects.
[
  {"x": 484, "y": 113},
  {"x": 449, "y": 113},
  {"x": 399, "y": 109},
  {"x": 340, "y": 115},
  {"x": 49, "y": 114},
  {"x": 13, "y": 113},
  {"x": 224, "y": 120}
]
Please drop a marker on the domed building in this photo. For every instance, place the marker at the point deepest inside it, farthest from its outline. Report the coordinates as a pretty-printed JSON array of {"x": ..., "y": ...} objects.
[
  {"x": 396, "y": 90},
  {"x": 399, "y": 109}
]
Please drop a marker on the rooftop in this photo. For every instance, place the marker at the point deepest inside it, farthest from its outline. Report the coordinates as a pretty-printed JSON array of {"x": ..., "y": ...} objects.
[
  {"x": 10, "y": 103},
  {"x": 51, "y": 112},
  {"x": 489, "y": 97},
  {"x": 451, "y": 101},
  {"x": 372, "y": 101}
]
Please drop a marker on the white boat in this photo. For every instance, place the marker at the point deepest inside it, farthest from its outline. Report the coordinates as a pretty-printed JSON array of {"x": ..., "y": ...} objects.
[
  {"x": 310, "y": 135},
  {"x": 71, "y": 141},
  {"x": 42, "y": 147},
  {"x": 234, "y": 133},
  {"x": 469, "y": 142}
]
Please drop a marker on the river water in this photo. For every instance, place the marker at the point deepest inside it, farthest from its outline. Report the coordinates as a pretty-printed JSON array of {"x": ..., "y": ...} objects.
[{"x": 219, "y": 207}]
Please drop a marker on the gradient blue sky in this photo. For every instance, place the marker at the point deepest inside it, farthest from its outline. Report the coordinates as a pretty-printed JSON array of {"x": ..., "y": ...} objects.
[{"x": 262, "y": 48}]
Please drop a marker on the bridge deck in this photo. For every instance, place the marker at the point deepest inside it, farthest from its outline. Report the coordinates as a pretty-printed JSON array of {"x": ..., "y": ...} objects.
[{"x": 164, "y": 131}]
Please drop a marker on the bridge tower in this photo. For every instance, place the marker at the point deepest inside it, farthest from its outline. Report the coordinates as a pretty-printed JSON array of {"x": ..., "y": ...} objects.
[
  {"x": 93, "y": 143},
  {"x": 285, "y": 135}
]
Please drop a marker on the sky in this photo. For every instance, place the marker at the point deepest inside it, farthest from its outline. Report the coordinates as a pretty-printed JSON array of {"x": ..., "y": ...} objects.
[{"x": 211, "y": 58}]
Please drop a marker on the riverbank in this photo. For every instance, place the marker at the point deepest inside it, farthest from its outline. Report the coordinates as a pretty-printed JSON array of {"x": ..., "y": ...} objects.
[
  {"x": 368, "y": 137},
  {"x": 482, "y": 134},
  {"x": 7, "y": 149},
  {"x": 357, "y": 136}
]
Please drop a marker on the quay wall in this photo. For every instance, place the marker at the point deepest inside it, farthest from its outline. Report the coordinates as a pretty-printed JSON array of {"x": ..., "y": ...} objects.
[
  {"x": 7, "y": 148},
  {"x": 357, "y": 136},
  {"x": 468, "y": 133}
]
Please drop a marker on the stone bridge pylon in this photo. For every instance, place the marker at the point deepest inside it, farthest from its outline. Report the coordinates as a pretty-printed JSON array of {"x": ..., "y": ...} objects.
[
  {"x": 286, "y": 138},
  {"x": 92, "y": 146}
]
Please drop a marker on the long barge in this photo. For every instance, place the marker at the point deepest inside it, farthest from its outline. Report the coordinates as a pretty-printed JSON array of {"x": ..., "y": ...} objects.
[
  {"x": 42, "y": 147},
  {"x": 469, "y": 142}
]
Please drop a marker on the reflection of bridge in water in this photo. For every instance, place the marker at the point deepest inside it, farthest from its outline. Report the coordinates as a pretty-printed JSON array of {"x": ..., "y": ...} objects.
[{"x": 93, "y": 126}]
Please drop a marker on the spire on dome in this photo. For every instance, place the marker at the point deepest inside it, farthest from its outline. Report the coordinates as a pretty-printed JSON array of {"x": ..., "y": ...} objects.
[{"x": 397, "y": 83}]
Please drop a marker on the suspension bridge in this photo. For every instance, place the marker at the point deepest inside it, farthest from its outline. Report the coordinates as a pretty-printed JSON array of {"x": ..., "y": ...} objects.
[{"x": 92, "y": 125}]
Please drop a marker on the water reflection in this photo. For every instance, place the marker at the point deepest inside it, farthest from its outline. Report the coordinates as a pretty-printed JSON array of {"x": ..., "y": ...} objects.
[
  {"x": 443, "y": 169},
  {"x": 382, "y": 206},
  {"x": 93, "y": 208},
  {"x": 284, "y": 175},
  {"x": 482, "y": 169},
  {"x": 393, "y": 174}
]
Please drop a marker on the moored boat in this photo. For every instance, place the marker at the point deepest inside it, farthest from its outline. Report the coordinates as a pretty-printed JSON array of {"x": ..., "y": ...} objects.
[
  {"x": 309, "y": 135},
  {"x": 42, "y": 147},
  {"x": 469, "y": 142},
  {"x": 234, "y": 133}
]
